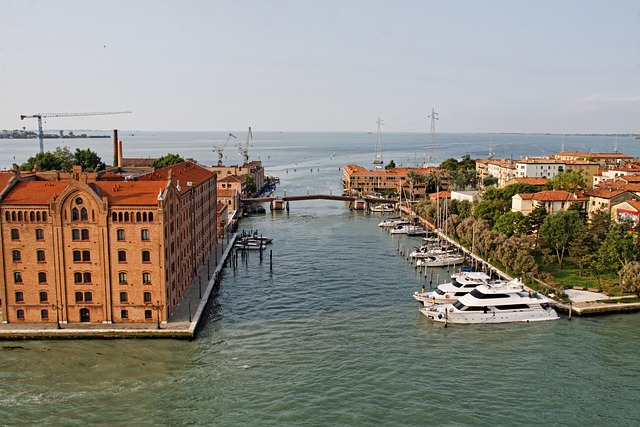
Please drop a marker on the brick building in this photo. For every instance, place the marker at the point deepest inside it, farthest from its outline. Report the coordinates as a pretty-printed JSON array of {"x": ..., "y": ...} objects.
[{"x": 84, "y": 250}]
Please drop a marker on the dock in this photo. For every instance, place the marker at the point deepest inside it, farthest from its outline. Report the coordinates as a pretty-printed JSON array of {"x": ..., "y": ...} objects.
[{"x": 183, "y": 323}]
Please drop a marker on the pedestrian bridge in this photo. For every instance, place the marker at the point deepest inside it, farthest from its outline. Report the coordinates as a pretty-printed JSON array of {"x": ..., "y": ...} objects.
[{"x": 279, "y": 203}]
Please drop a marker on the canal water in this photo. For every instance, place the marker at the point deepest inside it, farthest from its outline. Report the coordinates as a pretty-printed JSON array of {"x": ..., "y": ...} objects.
[{"x": 328, "y": 334}]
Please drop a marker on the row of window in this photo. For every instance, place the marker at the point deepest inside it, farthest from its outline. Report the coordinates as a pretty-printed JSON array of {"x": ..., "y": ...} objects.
[
  {"x": 31, "y": 216},
  {"x": 80, "y": 234},
  {"x": 80, "y": 277},
  {"x": 129, "y": 217},
  {"x": 44, "y": 314},
  {"x": 82, "y": 297}
]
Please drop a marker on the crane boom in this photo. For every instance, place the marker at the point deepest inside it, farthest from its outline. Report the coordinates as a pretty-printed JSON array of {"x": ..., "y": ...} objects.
[
  {"x": 245, "y": 151},
  {"x": 41, "y": 116},
  {"x": 219, "y": 150}
]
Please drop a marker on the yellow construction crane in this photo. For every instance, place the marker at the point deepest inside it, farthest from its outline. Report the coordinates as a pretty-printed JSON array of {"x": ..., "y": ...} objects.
[{"x": 41, "y": 116}]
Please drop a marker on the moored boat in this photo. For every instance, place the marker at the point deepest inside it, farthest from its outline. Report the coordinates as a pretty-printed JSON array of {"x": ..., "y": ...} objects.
[
  {"x": 461, "y": 285},
  {"x": 501, "y": 303}
]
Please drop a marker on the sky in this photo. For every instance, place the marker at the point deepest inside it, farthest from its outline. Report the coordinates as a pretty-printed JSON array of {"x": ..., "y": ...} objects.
[{"x": 549, "y": 66}]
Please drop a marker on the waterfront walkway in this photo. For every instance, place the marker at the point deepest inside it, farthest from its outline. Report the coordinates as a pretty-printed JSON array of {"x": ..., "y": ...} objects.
[{"x": 183, "y": 322}]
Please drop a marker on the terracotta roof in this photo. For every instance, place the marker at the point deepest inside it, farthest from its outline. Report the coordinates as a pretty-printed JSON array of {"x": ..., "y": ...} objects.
[
  {"x": 4, "y": 179},
  {"x": 352, "y": 169},
  {"x": 34, "y": 192},
  {"x": 526, "y": 196},
  {"x": 182, "y": 172},
  {"x": 634, "y": 204},
  {"x": 538, "y": 181},
  {"x": 138, "y": 193},
  {"x": 440, "y": 195},
  {"x": 231, "y": 178},
  {"x": 557, "y": 195},
  {"x": 604, "y": 193},
  {"x": 225, "y": 193},
  {"x": 593, "y": 155}
]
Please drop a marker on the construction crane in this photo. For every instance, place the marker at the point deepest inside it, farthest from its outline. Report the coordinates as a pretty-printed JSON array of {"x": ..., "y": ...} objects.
[
  {"x": 41, "y": 116},
  {"x": 219, "y": 150},
  {"x": 245, "y": 151}
]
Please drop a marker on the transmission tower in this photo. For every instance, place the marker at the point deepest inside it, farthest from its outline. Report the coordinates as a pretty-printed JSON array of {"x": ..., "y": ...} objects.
[
  {"x": 377, "y": 161},
  {"x": 432, "y": 133}
]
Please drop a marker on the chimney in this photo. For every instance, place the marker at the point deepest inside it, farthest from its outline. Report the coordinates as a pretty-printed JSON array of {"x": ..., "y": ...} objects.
[
  {"x": 115, "y": 147},
  {"x": 119, "y": 154}
]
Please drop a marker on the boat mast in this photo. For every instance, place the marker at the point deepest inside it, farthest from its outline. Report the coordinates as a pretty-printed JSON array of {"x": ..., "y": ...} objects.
[{"x": 377, "y": 161}]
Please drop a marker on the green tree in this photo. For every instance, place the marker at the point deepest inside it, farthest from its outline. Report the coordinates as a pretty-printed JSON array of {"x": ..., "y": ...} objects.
[
  {"x": 618, "y": 248},
  {"x": 89, "y": 160},
  {"x": 167, "y": 160},
  {"x": 558, "y": 230},
  {"x": 511, "y": 223},
  {"x": 60, "y": 160},
  {"x": 251, "y": 183},
  {"x": 391, "y": 165},
  {"x": 571, "y": 181},
  {"x": 489, "y": 180},
  {"x": 630, "y": 278},
  {"x": 581, "y": 249}
]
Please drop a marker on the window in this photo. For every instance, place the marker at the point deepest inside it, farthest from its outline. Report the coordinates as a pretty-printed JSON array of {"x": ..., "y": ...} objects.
[
  {"x": 87, "y": 277},
  {"x": 124, "y": 297},
  {"x": 75, "y": 234},
  {"x": 120, "y": 234},
  {"x": 77, "y": 256},
  {"x": 147, "y": 297},
  {"x": 42, "y": 277},
  {"x": 88, "y": 297},
  {"x": 79, "y": 296},
  {"x": 83, "y": 214},
  {"x": 124, "y": 314},
  {"x": 39, "y": 234},
  {"x": 147, "y": 314},
  {"x": 43, "y": 297},
  {"x": 122, "y": 277},
  {"x": 17, "y": 277},
  {"x": 44, "y": 314},
  {"x": 146, "y": 278},
  {"x": 75, "y": 214},
  {"x": 20, "y": 314},
  {"x": 17, "y": 257},
  {"x": 122, "y": 256},
  {"x": 86, "y": 256},
  {"x": 40, "y": 256},
  {"x": 79, "y": 200},
  {"x": 19, "y": 297},
  {"x": 77, "y": 277},
  {"x": 144, "y": 235},
  {"x": 15, "y": 234},
  {"x": 146, "y": 256},
  {"x": 85, "y": 234}
]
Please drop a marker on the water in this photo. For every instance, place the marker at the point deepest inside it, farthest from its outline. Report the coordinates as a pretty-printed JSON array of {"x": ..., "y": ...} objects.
[{"x": 331, "y": 335}]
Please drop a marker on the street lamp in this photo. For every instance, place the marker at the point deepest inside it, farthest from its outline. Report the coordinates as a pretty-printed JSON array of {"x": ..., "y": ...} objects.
[
  {"x": 56, "y": 308},
  {"x": 158, "y": 307}
]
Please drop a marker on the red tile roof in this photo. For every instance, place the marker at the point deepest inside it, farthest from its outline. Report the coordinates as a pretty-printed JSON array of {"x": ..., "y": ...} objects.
[
  {"x": 34, "y": 192},
  {"x": 131, "y": 193},
  {"x": 182, "y": 172}
]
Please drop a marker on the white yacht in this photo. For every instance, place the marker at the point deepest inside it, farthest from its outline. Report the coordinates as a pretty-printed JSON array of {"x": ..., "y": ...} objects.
[
  {"x": 383, "y": 207},
  {"x": 426, "y": 251},
  {"x": 404, "y": 228},
  {"x": 461, "y": 285},
  {"x": 392, "y": 222},
  {"x": 501, "y": 303},
  {"x": 443, "y": 260}
]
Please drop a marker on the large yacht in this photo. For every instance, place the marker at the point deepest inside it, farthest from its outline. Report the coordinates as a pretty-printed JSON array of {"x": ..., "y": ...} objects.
[
  {"x": 462, "y": 284},
  {"x": 501, "y": 303}
]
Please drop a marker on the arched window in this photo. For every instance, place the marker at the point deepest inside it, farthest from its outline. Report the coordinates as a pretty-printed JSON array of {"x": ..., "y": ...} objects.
[
  {"x": 124, "y": 314},
  {"x": 138, "y": 217},
  {"x": 120, "y": 216},
  {"x": 19, "y": 215},
  {"x": 144, "y": 216},
  {"x": 146, "y": 256},
  {"x": 44, "y": 297},
  {"x": 122, "y": 256},
  {"x": 7, "y": 216},
  {"x": 44, "y": 216},
  {"x": 38, "y": 216},
  {"x": 42, "y": 277},
  {"x": 13, "y": 215},
  {"x": 126, "y": 217},
  {"x": 75, "y": 214},
  {"x": 32, "y": 216},
  {"x": 150, "y": 216},
  {"x": 83, "y": 214},
  {"x": 44, "y": 314},
  {"x": 17, "y": 256}
]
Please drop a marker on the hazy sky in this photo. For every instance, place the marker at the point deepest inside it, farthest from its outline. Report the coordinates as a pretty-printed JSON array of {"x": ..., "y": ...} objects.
[{"x": 559, "y": 66}]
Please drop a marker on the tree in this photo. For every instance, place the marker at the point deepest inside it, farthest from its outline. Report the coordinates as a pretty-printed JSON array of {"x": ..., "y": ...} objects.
[
  {"x": 251, "y": 183},
  {"x": 511, "y": 223},
  {"x": 618, "y": 249},
  {"x": 59, "y": 160},
  {"x": 630, "y": 278},
  {"x": 391, "y": 165},
  {"x": 89, "y": 160},
  {"x": 167, "y": 160},
  {"x": 558, "y": 230},
  {"x": 489, "y": 180},
  {"x": 571, "y": 181},
  {"x": 581, "y": 249}
]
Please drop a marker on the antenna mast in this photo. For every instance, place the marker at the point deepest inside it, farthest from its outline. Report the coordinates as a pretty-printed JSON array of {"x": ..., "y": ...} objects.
[
  {"x": 432, "y": 133},
  {"x": 377, "y": 161}
]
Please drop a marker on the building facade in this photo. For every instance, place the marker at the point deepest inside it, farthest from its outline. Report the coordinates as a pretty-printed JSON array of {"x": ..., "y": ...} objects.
[{"x": 81, "y": 250}]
